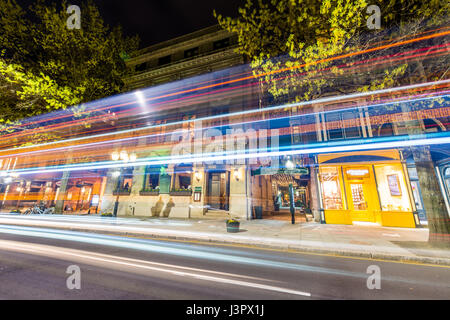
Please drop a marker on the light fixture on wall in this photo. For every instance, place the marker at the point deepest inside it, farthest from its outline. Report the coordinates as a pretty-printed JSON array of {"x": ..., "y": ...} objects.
[
  {"x": 237, "y": 174},
  {"x": 124, "y": 156},
  {"x": 115, "y": 156},
  {"x": 116, "y": 174},
  {"x": 289, "y": 164},
  {"x": 198, "y": 176}
]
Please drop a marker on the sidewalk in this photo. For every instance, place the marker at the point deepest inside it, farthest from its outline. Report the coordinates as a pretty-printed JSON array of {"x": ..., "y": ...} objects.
[{"x": 399, "y": 244}]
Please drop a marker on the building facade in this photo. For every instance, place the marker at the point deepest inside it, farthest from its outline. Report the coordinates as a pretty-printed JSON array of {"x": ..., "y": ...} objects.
[{"x": 193, "y": 141}]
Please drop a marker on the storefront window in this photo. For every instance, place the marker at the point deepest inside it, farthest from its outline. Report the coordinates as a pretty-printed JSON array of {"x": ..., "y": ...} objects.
[
  {"x": 392, "y": 188},
  {"x": 447, "y": 180},
  {"x": 182, "y": 177},
  {"x": 152, "y": 178},
  {"x": 331, "y": 188},
  {"x": 125, "y": 180},
  {"x": 416, "y": 194}
]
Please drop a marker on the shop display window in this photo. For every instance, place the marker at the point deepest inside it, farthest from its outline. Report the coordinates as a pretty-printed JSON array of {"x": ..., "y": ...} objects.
[
  {"x": 392, "y": 188},
  {"x": 447, "y": 180},
  {"x": 331, "y": 188}
]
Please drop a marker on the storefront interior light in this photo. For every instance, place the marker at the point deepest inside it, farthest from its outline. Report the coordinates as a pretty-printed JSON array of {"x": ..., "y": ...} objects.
[
  {"x": 133, "y": 157},
  {"x": 290, "y": 165}
]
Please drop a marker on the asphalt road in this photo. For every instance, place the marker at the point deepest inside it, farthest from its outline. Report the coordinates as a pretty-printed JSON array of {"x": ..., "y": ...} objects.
[{"x": 34, "y": 263}]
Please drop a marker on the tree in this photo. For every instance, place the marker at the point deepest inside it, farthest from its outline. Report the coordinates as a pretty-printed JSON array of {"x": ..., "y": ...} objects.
[
  {"x": 300, "y": 37},
  {"x": 38, "y": 40},
  {"x": 31, "y": 94},
  {"x": 293, "y": 45}
]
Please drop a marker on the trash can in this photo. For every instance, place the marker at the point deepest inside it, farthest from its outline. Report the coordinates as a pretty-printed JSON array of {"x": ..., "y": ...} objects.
[{"x": 258, "y": 212}]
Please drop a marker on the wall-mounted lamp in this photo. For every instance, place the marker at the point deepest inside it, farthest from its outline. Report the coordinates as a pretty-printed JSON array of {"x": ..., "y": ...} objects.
[
  {"x": 289, "y": 165},
  {"x": 116, "y": 174},
  {"x": 237, "y": 175},
  {"x": 115, "y": 156},
  {"x": 124, "y": 156},
  {"x": 198, "y": 176}
]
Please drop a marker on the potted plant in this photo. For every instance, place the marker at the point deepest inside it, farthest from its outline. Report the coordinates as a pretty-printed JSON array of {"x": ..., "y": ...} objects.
[
  {"x": 233, "y": 225},
  {"x": 106, "y": 214},
  {"x": 181, "y": 192},
  {"x": 149, "y": 192}
]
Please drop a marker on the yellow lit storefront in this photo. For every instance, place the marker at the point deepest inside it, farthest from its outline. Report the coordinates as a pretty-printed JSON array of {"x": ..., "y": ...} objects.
[{"x": 369, "y": 186}]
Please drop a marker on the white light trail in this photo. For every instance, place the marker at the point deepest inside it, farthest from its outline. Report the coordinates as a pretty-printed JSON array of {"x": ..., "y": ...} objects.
[
  {"x": 242, "y": 113},
  {"x": 410, "y": 142}
]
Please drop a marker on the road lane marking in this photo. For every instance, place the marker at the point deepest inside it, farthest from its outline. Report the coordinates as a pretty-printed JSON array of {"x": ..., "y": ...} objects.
[
  {"x": 63, "y": 253},
  {"x": 209, "y": 243}
]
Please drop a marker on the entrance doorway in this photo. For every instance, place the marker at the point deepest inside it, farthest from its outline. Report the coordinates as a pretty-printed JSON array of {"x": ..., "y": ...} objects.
[
  {"x": 218, "y": 190},
  {"x": 361, "y": 193}
]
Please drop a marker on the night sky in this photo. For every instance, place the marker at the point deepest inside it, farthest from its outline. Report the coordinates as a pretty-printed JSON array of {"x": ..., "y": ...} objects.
[{"x": 158, "y": 20}]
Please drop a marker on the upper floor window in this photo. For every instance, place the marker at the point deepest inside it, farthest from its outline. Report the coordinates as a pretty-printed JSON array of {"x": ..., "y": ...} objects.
[
  {"x": 141, "y": 67},
  {"x": 164, "y": 60},
  {"x": 223, "y": 43},
  {"x": 343, "y": 125},
  {"x": 191, "y": 52}
]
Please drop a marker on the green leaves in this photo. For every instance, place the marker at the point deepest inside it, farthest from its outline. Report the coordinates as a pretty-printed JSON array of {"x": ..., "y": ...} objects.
[
  {"x": 300, "y": 36},
  {"x": 60, "y": 63},
  {"x": 24, "y": 94}
]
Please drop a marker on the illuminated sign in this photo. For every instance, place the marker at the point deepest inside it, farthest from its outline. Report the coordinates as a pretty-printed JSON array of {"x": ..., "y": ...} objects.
[{"x": 358, "y": 172}]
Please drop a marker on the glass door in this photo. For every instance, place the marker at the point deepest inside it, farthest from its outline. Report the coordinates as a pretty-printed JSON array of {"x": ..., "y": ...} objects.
[{"x": 361, "y": 193}]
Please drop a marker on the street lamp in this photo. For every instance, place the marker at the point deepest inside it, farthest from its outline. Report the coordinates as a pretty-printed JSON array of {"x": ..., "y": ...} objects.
[{"x": 290, "y": 166}]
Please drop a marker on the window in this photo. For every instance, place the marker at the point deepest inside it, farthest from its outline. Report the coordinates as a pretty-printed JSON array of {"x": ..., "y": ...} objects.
[
  {"x": 164, "y": 60},
  {"x": 183, "y": 177},
  {"x": 343, "y": 125},
  {"x": 191, "y": 52},
  {"x": 125, "y": 180},
  {"x": 331, "y": 189},
  {"x": 392, "y": 188},
  {"x": 141, "y": 67},
  {"x": 303, "y": 130},
  {"x": 151, "y": 181},
  {"x": 219, "y": 44}
]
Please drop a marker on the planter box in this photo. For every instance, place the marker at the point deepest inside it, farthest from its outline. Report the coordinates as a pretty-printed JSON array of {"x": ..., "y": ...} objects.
[
  {"x": 148, "y": 193},
  {"x": 233, "y": 227},
  {"x": 121, "y": 193},
  {"x": 181, "y": 193}
]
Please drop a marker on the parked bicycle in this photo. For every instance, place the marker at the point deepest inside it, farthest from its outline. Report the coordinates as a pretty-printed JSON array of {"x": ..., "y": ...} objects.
[{"x": 40, "y": 209}]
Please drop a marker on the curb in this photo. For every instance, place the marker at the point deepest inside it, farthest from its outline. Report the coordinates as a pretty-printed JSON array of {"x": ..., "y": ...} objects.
[{"x": 290, "y": 247}]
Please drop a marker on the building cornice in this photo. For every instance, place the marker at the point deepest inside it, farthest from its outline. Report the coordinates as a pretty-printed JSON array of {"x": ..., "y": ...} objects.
[
  {"x": 165, "y": 51},
  {"x": 189, "y": 64}
]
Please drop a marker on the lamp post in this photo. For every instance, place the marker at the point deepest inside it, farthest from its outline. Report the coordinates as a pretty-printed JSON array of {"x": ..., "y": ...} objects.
[
  {"x": 290, "y": 166},
  {"x": 124, "y": 157}
]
